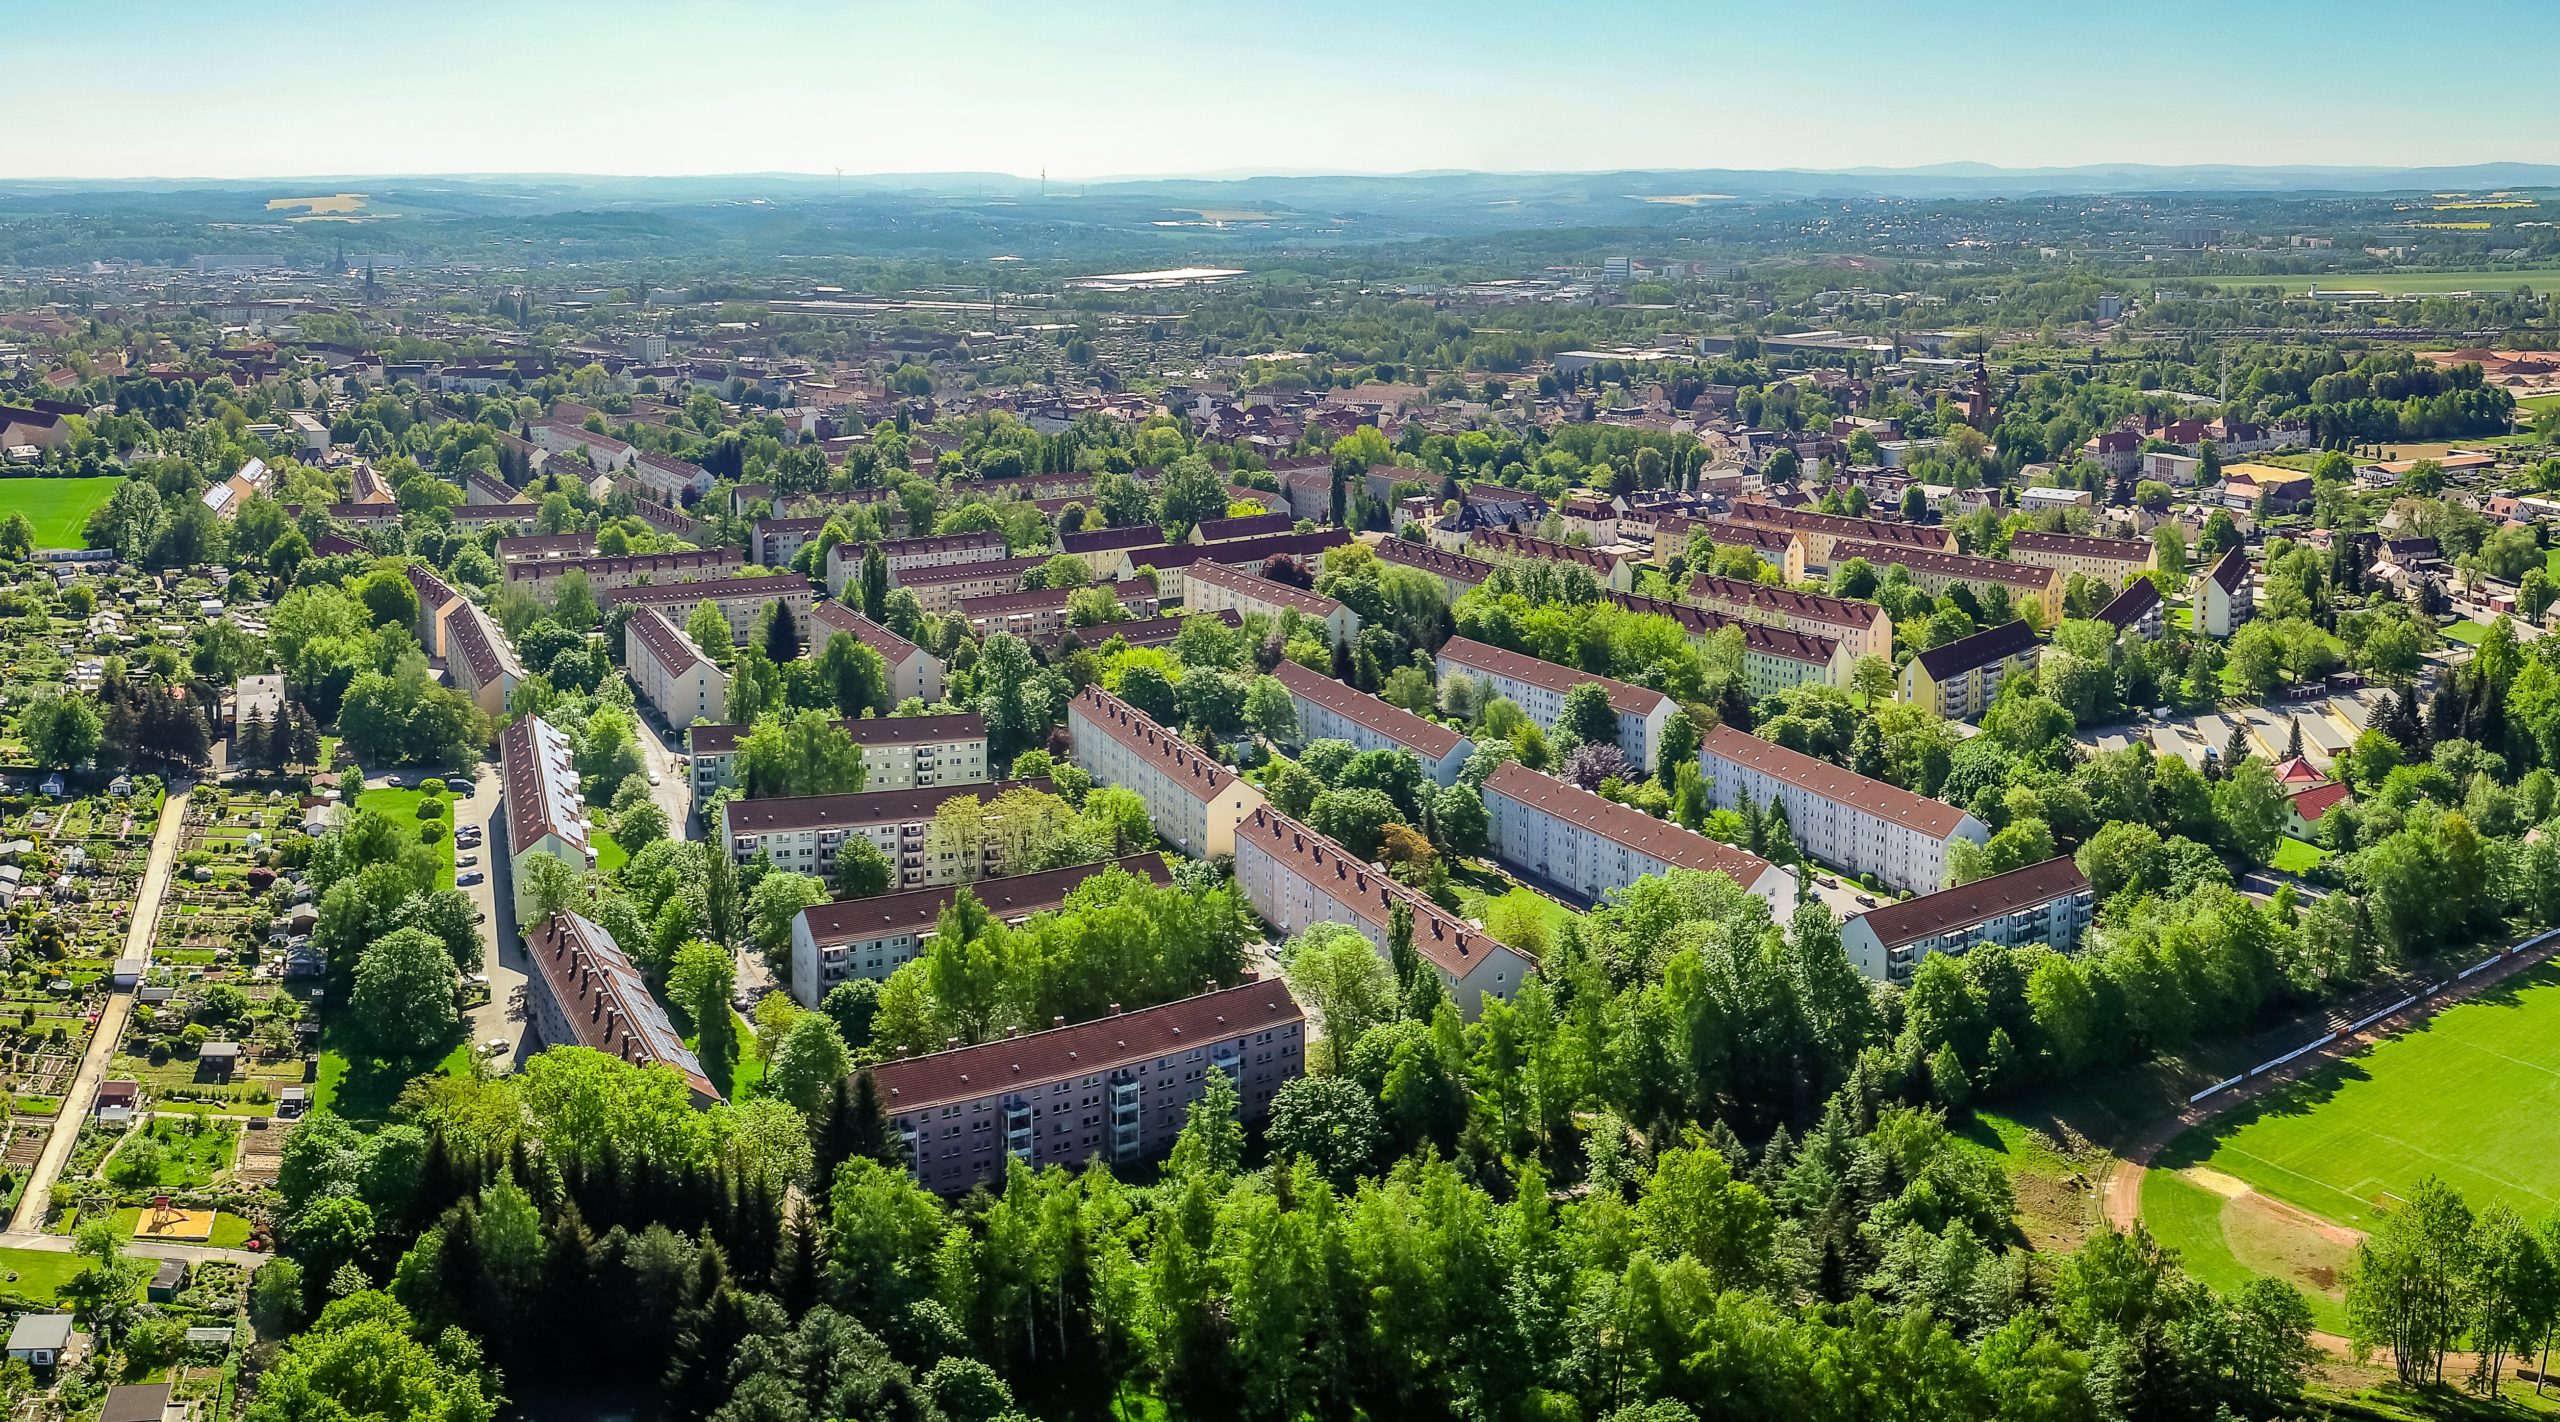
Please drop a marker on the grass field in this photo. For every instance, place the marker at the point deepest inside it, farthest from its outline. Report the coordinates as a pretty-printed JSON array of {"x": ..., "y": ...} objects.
[
  {"x": 2295, "y": 857},
  {"x": 362, "y": 1087},
  {"x": 2404, "y": 283},
  {"x": 402, "y": 806},
  {"x": 2283, "y": 1185},
  {"x": 59, "y": 508},
  {"x": 2466, "y": 632}
]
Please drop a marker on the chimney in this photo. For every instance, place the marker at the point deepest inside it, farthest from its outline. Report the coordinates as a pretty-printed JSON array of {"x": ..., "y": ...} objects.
[
  {"x": 902, "y": 1053},
  {"x": 1056, "y": 1022},
  {"x": 1012, "y": 1032},
  {"x": 1115, "y": 1009},
  {"x": 950, "y": 1043}
]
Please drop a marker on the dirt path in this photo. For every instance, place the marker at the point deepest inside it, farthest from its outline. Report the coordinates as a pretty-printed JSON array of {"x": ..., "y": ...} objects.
[{"x": 2120, "y": 1193}]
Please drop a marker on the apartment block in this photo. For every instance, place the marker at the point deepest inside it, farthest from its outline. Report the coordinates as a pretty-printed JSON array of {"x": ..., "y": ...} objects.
[
  {"x": 805, "y": 833},
  {"x": 2048, "y": 903},
  {"x": 541, "y": 576},
  {"x": 898, "y": 752},
  {"x": 1562, "y": 835},
  {"x": 1865, "y": 628},
  {"x": 1934, "y": 573},
  {"x": 913, "y": 671},
  {"x": 1539, "y": 688},
  {"x": 1960, "y": 680},
  {"x": 1042, "y": 612},
  {"x": 1845, "y": 820},
  {"x": 546, "y": 813},
  {"x": 834, "y": 943},
  {"x": 943, "y": 587},
  {"x": 1815, "y": 546},
  {"x": 1613, "y": 571},
  {"x": 1456, "y": 571},
  {"x": 1773, "y": 658},
  {"x": 1295, "y": 877},
  {"x": 741, "y": 600},
  {"x": 672, "y": 674},
  {"x": 777, "y": 541},
  {"x": 2109, "y": 560},
  {"x": 1194, "y": 801},
  {"x": 1329, "y": 710},
  {"x": 480, "y": 659},
  {"x": 907, "y": 555},
  {"x": 1116, "y": 1089},
  {"x": 1209, "y": 587},
  {"x": 584, "y": 992},
  {"x": 2225, "y": 594}
]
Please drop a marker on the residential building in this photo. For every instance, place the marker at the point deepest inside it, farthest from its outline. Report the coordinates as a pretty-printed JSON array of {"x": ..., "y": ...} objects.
[
  {"x": 1553, "y": 833},
  {"x": 913, "y": 671},
  {"x": 834, "y": 943},
  {"x": 437, "y": 603},
  {"x": 898, "y": 752},
  {"x": 1250, "y": 554},
  {"x": 940, "y": 589},
  {"x": 2135, "y": 612},
  {"x": 1228, "y": 530},
  {"x": 1538, "y": 688},
  {"x": 546, "y": 813},
  {"x": 672, "y": 674},
  {"x": 741, "y": 600},
  {"x": 257, "y": 699},
  {"x": 1100, "y": 543},
  {"x": 804, "y": 833},
  {"x": 584, "y": 992},
  {"x": 535, "y": 547},
  {"x": 1612, "y": 570},
  {"x": 1136, "y": 632},
  {"x": 1456, "y": 571},
  {"x": 481, "y": 660},
  {"x": 1960, "y": 679},
  {"x": 2109, "y": 560},
  {"x": 1845, "y": 820},
  {"x": 777, "y": 541},
  {"x": 2119, "y": 452},
  {"x": 1296, "y": 878},
  {"x": 1329, "y": 710},
  {"x": 903, "y": 555},
  {"x": 1194, "y": 801},
  {"x": 1815, "y": 547},
  {"x": 2283, "y": 490},
  {"x": 603, "y": 451},
  {"x": 2046, "y": 903},
  {"x": 1209, "y": 587},
  {"x": 1864, "y": 628},
  {"x": 1934, "y": 573},
  {"x": 667, "y": 481},
  {"x": 1117, "y": 1088},
  {"x": 2225, "y": 594},
  {"x": 541, "y": 576},
  {"x": 1043, "y": 611}
]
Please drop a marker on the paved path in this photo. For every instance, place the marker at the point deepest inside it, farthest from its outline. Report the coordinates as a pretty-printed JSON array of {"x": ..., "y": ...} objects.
[
  {"x": 2120, "y": 1192},
  {"x": 142, "y": 1249},
  {"x": 102, "y": 1045}
]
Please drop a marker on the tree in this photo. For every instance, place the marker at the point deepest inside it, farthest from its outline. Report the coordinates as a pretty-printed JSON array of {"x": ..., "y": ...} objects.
[
  {"x": 700, "y": 982},
  {"x": 1459, "y": 819},
  {"x": 862, "y": 870},
  {"x": 804, "y": 754},
  {"x": 362, "y": 1363},
  {"x": 551, "y": 886},
  {"x": 851, "y": 1006},
  {"x": 1679, "y": 744},
  {"x": 2250, "y": 807},
  {"x": 1347, "y": 989},
  {"x": 1271, "y": 711},
  {"x": 2404, "y": 1291},
  {"x": 807, "y": 1062},
  {"x": 1588, "y": 718},
  {"x": 1331, "y": 1121},
  {"x": 777, "y": 900},
  {"x": 875, "y": 583},
  {"x": 1353, "y": 818},
  {"x": 17, "y": 536},
  {"x": 708, "y": 630},
  {"x": 404, "y": 995},
  {"x": 61, "y": 731}
]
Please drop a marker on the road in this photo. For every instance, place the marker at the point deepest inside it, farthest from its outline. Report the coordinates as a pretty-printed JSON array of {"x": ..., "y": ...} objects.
[
  {"x": 502, "y": 958},
  {"x": 102, "y": 1045}
]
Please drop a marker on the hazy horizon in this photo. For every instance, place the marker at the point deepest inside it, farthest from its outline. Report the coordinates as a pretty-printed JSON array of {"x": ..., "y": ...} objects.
[{"x": 1153, "y": 89}]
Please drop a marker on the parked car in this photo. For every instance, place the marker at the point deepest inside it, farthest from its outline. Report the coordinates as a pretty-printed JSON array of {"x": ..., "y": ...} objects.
[
  {"x": 466, "y": 861},
  {"x": 467, "y": 880}
]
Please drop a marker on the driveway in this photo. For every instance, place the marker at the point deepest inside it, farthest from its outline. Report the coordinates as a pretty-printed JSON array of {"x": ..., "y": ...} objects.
[
  {"x": 111, "y": 1021},
  {"x": 502, "y": 957}
]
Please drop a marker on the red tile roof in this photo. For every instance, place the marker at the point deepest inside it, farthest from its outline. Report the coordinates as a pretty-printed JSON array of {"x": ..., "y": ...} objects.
[
  {"x": 1785, "y": 602},
  {"x": 1624, "y": 825},
  {"x": 865, "y": 731},
  {"x": 1442, "y": 938},
  {"x": 1946, "y": 565},
  {"x": 1479, "y": 657},
  {"x": 1934, "y": 818},
  {"x": 777, "y": 814},
  {"x": 884, "y": 915},
  {"x": 1263, "y": 590},
  {"x": 1179, "y": 761},
  {"x": 1426, "y": 738},
  {"x": 989, "y": 1068},
  {"x": 1930, "y": 915}
]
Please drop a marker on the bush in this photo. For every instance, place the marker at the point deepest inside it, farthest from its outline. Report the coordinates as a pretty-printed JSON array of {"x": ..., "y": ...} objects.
[
  {"x": 432, "y": 786},
  {"x": 431, "y": 833}
]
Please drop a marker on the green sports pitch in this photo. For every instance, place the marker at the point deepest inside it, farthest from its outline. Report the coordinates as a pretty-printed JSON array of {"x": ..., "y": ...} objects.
[
  {"x": 59, "y": 508},
  {"x": 2473, "y": 1098}
]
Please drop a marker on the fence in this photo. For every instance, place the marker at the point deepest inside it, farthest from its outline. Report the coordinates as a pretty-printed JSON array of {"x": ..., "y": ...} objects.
[{"x": 2349, "y": 1031}]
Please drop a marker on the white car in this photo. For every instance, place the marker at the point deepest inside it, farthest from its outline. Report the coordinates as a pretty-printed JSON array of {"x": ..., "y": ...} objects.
[
  {"x": 495, "y": 1046},
  {"x": 466, "y": 861},
  {"x": 653, "y": 777}
]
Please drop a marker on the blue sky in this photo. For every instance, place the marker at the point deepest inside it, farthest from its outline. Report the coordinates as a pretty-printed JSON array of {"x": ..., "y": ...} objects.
[{"x": 1097, "y": 88}]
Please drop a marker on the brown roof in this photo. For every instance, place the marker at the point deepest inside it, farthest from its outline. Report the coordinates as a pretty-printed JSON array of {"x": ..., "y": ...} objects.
[
  {"x": 836, "y": 617},
  {"x": 967, "y": 1073},
  {"x": 1222, "y": 530},
  {"x": 1787, "y": 602},
  {"x": 540, "y": 780},
  {"x": 1263, "y": 590},
  {"x": 1426, "y": 738},
  {"x": 632, "y": 565},
  {"x": 773, "y": 814},
  {"x": 1934, "y": 818},
  {"x": 1547, "y": 550},
  {"x": 666, "y": 641},
  {"x": 1180, "y": 762},
  {"x": 865, "y": 731},
  {"x": 434, "y": 593},
  {"x": 1139, "y": 631},
  {"x": 606, "y": 1001},
  {"x": 1445, "y": 940},
  {"x": 1624, "y": 825},
  {"x": 2232, "y": 569},
  {"x": 2122, "y": 550},
  {"x": 885, "y": 915},
  {"x": 1112, "y": 540},
  {"x": 1405, "y": 553},
  {"x": 479, "y": 642},
  {"x": 935, "y": 543},
  {"x": 1245, "y": 552},
  {"x": 1757, "y": 637},
  {"x": 2129, "y": 606},
  {"x": 1967, "y": 904},
  {"x": 1727, "y": 533},
  {"x": 1864, "y": 530},
  {"x": 1981, "y": 649},
  {"x": 706, "y": 589},
  {"x": 517, "y": 548},
  {"x": 1004, "y": 569},
  {"x": 997, "y": 604},
  {"x": 1946, "y": 565},
  {"x": 1477, "y": 656}
]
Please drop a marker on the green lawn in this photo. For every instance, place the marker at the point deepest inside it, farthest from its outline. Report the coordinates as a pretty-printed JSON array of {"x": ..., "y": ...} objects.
[
  {"x": 402, "y": 807},
  {"x": 2226, "y": 1244},
  {"x": 2412, "y": 283},
  {"x": 362, "y": 1087},
  {"x": 36, "y": 1275},
  {"x": 59, "y": 508},
  {"x": 2473, "y": 1098},
  {"x": 229, "y": 1230},
  {"x": 609, "y": 855},
  {"x": 189, "y": 1159},
  {"x": 2471, "y": 633},
  {"x": 2295, "y": 857}
]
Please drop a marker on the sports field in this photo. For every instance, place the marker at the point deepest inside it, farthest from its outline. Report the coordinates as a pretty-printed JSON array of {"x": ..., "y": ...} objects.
[
  {"x": 2284, "y": 1186},
  {"x": 59, "y": 508},
  {"x": 2403, "y": 283}
]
